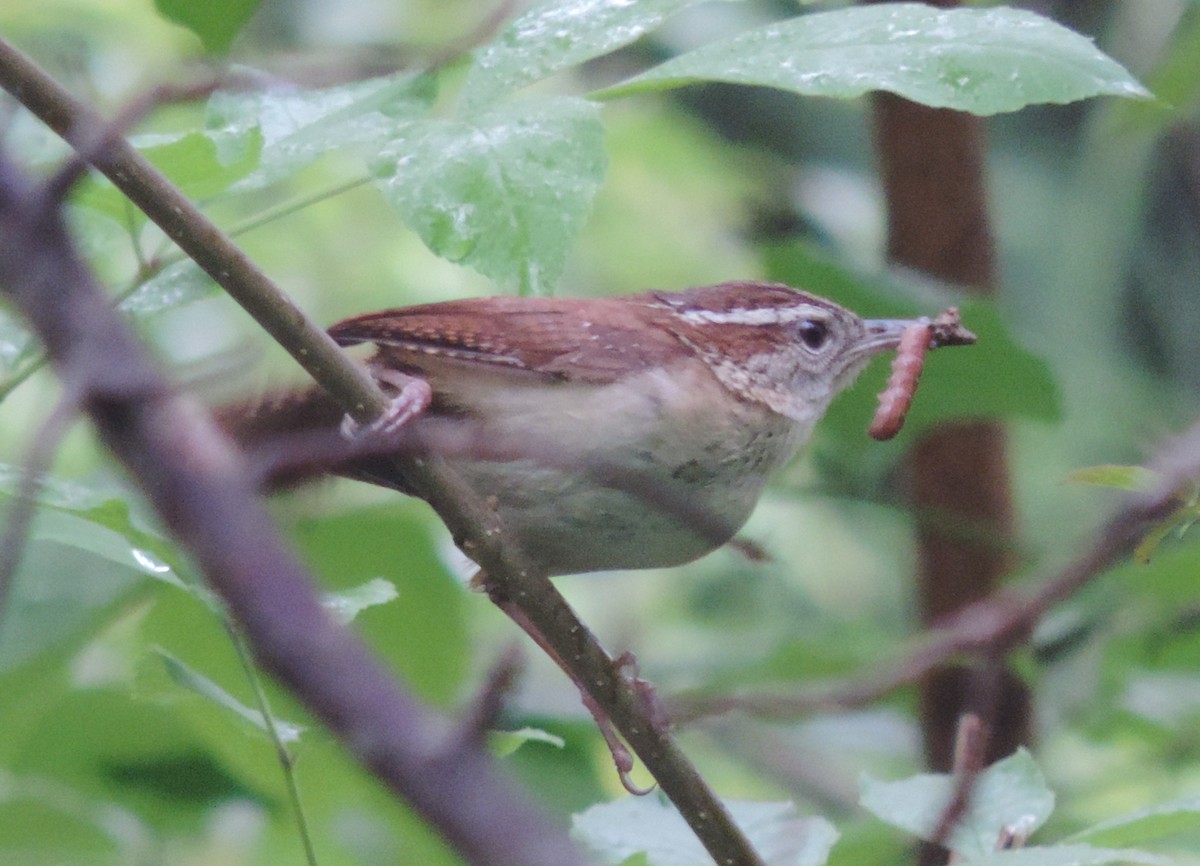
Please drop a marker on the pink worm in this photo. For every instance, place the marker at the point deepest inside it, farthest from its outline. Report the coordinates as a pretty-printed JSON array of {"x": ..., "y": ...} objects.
[{"x": 897, "y": 396}]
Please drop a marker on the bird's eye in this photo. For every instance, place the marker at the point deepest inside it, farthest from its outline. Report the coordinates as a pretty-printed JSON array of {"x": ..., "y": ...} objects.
[{"x": 813, "y": 333}]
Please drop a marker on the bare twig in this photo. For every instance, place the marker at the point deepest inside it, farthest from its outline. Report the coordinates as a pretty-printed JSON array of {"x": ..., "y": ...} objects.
[
  {"x": 473, "y": 525},
  {"x": 488, "y": 703},
  {"x": 19, "y": 519},
  {"x": 96, "y": 138},
  {"x": 970, "y": 752},
  {"x": 195, "y": 234},
  {"x": 201, "y": 491},
  {"x": 990, "y": 628}
]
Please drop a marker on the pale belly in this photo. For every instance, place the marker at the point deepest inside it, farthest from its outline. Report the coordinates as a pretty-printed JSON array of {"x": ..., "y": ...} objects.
[
  {"x": 646, "y": 474},
  {"x": 661, "y": 508}
]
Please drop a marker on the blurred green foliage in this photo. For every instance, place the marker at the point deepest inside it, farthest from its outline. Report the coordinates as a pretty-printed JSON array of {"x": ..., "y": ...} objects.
[{"x": 340, "y": 189}]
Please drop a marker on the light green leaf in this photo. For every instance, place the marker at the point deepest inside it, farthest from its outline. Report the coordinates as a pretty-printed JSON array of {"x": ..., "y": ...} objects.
[
  {"x": 16, "y": 342},
  {"x": 174, "y": 286},
  {"x": 983, "y": 61},
  {"x": 1009, "y": 796},
  {"x": 77, "y": 825},
  {"x": 1132, "y": 478},
  {"x": 505, "y": 191},
  {"x": 216, "y": 22},
  {"x": 558, "y": 35},
  {"x": 72, "y": 571},
  {"x": 1065, "y": 855},
  {"x": 185, "y": 676},
  {"x": 122, "y": 532},
  {"x": 1167, "y": 698},
  {"x": 623, "y": 828},
  {"x": 89, "y": 546},
  {"x": 422, "y": 633},
  {"x": 299, "y": 127},
  {"x": 1144, "y": 825},
  {"x": 1138, "y": 479},
  {"x": 200, "y": 164},
  {"x": 346, "y": 604},
  {"x": 504, "y": 743}
]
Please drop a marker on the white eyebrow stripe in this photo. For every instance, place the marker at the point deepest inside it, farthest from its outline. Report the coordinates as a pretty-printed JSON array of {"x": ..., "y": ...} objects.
[{"x": 756, "y": 316}]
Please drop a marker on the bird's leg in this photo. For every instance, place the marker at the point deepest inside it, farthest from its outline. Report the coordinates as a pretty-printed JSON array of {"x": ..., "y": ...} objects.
[
  {"x": 626, "y": 667},
  {"x": 412, "y": 398}
]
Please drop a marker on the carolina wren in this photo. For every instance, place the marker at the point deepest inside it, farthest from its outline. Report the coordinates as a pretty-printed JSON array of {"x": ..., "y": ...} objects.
[{"x": 692, "y": 397}]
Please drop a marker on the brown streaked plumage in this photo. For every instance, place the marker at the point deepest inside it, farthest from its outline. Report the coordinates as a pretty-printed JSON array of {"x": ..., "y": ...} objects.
[{"x": 628, "y": 432}]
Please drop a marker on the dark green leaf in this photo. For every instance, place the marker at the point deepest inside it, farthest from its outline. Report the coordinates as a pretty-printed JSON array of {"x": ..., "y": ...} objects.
[
  {"x": 505, "y": 191},
  {"x": 422, "y": 631},
  {"x": 997, "y": 377},
  {"x": 504, "y": 743},
  {"x": 216, "y": 22},
  {"x": 983, "y": 61}
]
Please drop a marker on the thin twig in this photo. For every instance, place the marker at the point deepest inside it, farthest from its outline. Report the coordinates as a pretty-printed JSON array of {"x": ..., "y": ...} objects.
[
  {"x": 204, "y": 496},
  {"x": 989, "y": 628},
  {"x": 970, "y": 752},
  {"x": 98, "y": 136},
  {"x": 487, "y": 705},
  {"x": 287, "y": 761},
  {"x": 471, "y": 522},
  {"x": 19, "y": 518}
]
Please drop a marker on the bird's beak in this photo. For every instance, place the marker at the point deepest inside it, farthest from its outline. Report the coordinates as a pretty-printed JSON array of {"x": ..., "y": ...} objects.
[{"x": 884, "y": 333}]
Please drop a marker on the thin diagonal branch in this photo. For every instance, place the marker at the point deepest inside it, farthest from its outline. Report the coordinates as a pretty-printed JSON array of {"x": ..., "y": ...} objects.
[
  {"x": 206, "y": 499},
  {"x": 993, "y": 627},
  {"x": 473, "y": 525}
]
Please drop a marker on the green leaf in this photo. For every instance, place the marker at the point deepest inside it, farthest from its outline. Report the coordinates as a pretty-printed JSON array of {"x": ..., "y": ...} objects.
[
  {"x": 1131, "y": 478},
  {"x": 1011, "y": 795},
  {"x": 1145, "y": 825},
  {"x": 187, "y": 677},
  {"x": 558, "y": 35},
  {"x": 201, "y": 164},
  {"x": 422, "y": 632},
  {"x": 347, "y": 604},
  {"x": 983, "y": 61},
  {"x": 78, "y": 827},
  {"x": 16, "y": 342},
  {"x": 299, "y": 127},
  {"x": 134, "y": 538},
  {"x": 1175, "y": 80},
  {"x": 216, "y": 22},
  {"x": 623, "y": 828},
  {"x": 1139, "y": 479},
  {"x": 174, "y": 286},
  {"x": 72, "y": 572},
  {"x": 504, "y": 191},
  {"x": 1065, "y": 855},
  {"x": 504, "y": 743},
  {"x": 997, "y": 377}
]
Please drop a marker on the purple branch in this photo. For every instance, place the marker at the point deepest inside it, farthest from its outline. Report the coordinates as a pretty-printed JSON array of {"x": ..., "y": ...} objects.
[{"x": 203, "y": 492}]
